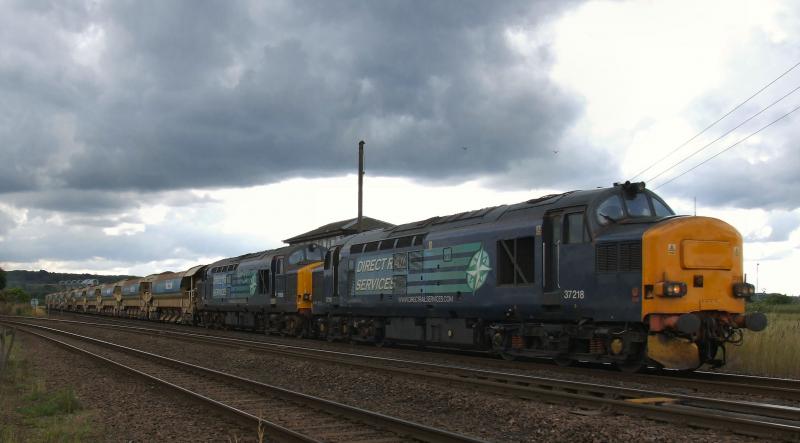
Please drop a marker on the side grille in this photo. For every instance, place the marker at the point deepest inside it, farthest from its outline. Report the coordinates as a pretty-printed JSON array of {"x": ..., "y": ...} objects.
[
  {"x": 606, "y": 257},
  {"x": 630, "y": 256},
  {"x": 624, "y": 256}
]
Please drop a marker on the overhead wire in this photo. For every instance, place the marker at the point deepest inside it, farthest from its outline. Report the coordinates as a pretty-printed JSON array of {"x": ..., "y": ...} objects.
[
  {"x": 721, "y": 136},
  {"x": 728, "y": 148},
  {"x": 716, "y": 121}
]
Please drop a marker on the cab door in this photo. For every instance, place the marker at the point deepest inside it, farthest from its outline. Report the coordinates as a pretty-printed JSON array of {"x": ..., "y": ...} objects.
[
  {"x": 569, "y": 256},
  {"x": 551, "y": 246},
  {"x": 331, "y": 281},
  {"x": 278, "y": 278}
]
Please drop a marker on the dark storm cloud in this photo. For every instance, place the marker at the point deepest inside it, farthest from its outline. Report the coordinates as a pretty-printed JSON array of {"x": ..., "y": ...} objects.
[
  {"x": 72, "y": 201},
  {"x": 204, "y": 94},
  {"x": 100, "y": 202},
  {"x": 80, "y": 243}
]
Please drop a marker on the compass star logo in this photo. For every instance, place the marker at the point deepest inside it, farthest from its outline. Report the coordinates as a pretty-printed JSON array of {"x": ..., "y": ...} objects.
[{"x": 478, "y": 269}]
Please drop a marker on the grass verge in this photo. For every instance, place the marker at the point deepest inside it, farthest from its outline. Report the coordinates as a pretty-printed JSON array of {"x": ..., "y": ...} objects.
[
  {"x": 23, "y": 309},
  {"x": 29, "y": 412},
  {"x": 773, "y": 352}
]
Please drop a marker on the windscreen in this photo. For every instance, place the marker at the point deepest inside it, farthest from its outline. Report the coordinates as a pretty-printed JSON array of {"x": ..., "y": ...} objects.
[{"x": 619, "y": 207}]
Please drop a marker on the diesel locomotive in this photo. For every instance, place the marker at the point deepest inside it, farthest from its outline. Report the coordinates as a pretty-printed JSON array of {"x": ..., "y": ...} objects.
[{"x": 608, "y": 275}]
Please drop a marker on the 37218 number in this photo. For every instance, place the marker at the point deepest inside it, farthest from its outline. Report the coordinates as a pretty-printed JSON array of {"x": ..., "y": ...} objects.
[{"x": 574, "y": 294}]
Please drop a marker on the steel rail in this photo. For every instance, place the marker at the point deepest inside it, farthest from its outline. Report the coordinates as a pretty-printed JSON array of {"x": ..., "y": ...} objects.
[
  {"x": 788, "y": 389},
  {"x": 403, "y": 429},
  {"x": 745, "y": 417}
]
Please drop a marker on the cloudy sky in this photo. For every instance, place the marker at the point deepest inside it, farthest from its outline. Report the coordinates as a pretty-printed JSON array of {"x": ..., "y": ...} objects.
[{"x": 140, "y": 136}]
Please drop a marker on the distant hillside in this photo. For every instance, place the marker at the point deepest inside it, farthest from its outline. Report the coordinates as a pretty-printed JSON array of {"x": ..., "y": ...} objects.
[{"x": 39, "y": 283}]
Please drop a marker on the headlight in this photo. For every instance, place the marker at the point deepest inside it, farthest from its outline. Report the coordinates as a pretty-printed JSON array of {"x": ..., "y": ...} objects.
[
  {"x": 671, "y": 289},
  {"x": 742, "y": 290}
]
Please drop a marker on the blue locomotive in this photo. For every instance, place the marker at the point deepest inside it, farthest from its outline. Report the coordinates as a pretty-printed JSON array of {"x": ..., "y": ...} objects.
[{"x": 608, "y": 275}]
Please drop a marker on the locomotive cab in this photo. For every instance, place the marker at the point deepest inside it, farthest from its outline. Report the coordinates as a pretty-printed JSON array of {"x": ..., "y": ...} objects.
[
  {"x": 292, "y": 293},
  {"x": 691, "y": 288}
]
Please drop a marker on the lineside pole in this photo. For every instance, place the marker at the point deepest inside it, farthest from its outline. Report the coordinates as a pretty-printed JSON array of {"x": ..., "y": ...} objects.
[{"x": 360, "y": 183}]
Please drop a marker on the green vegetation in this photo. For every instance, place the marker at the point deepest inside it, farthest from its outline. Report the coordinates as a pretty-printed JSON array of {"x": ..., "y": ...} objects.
[
  {"x": 773, "y": 352},
  {"x": 775, "y": 303},
  {"x": 14, "y": 295},
  {"x": 24, "y": 309},
  {"x": 44, "y": 404},
  {"x": 2, "y": 279},
  {"x": 16, "y": 301},
  {"x": 29, "y": 412},
  {"x": 40, "y": 283}
]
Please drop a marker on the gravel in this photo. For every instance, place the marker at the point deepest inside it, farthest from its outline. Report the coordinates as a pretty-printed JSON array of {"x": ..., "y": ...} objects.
[
  {"x": 536, "y": 368},
  {"x": 483, "y": 415},
  {"x": 127, "y": 408}
]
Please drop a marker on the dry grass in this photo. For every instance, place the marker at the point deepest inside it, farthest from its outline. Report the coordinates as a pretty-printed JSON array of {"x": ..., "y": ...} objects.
[
  {"x": 773, "y": 352},
  {"x": 23, "y": 309}
]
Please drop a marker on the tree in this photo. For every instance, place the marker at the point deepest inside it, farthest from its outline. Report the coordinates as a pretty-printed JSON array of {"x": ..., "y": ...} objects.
[
  {"x": 778, "y": 299},
  {"x": 16, "y": 295},
  {"x": 2, "y": 279}
]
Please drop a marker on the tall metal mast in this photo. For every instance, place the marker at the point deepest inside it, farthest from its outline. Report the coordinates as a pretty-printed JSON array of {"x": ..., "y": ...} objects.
[{"x": 360, "y": 182}]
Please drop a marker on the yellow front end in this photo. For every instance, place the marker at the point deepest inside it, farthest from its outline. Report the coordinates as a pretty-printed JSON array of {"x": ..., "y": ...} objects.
[
  {"x": 304, "y": 287},
  {"x": 689, "y": 268}
]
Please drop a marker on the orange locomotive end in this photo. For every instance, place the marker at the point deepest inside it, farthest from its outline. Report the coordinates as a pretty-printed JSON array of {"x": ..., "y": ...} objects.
[
  {"x": 305, "y": 287},
  {"x": 694, "y": 291}
]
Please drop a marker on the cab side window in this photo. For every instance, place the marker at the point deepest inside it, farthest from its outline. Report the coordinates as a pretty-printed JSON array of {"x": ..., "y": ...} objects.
[
  {"x": 574, "y": 229},
  {"x": 661, "y": 209}
]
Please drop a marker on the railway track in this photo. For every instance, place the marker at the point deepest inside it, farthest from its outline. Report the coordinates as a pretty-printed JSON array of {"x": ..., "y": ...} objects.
[
  {"x": 282, "y": 414},
  {"x": 698, "y": 382},
  {"x": 748, "y": 418}
]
